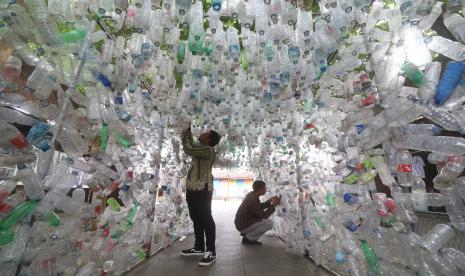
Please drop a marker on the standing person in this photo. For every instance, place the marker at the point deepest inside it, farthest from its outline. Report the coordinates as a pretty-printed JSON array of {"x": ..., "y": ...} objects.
[
  {"x": 252, "y": 216},
  {"x": 199, "y": 191}
]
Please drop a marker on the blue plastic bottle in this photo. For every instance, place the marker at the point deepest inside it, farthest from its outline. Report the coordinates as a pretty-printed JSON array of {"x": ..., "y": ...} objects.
[{"x": 449, "y": 81}]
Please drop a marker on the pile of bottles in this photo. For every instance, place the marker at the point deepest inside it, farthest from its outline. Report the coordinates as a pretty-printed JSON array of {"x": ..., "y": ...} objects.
[{"x": 326, "y": 100}]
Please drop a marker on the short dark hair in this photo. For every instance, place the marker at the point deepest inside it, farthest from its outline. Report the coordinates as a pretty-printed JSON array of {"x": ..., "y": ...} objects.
[
  {"x": 214, "y": 138},
  {"x": 258, "y": 185}
]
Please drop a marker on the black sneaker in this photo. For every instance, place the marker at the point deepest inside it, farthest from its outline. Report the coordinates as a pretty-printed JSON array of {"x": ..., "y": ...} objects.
[
  {"x": 207, "y": 259},
  {"x": 192, "y": 252},
  {"x": 249, "y": 242}
]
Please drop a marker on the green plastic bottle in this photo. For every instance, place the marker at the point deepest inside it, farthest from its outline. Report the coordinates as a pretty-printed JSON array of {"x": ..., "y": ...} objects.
[
  {"x": 415, "y": 75},
  {"x": 330, "y": 200},
  {"x": 368, "y": 164},
  {"x": 73, "y": 36},
  {"x": 132, "y": 213},
  {"x": 104, "y": 137},
  {"x": 366, "y": 177},
  {"x": 53, "y": 219},
  {"x": 269, "y": 47},
  {"x": 351, "y": 179},
  {"x": 370, "y": 256},
  {"x": 244, "y": 60},
  {"x": 314, "y": 214},
  {"x": 181, "y": 53},
  {"x": 123, "y": 140},
  {"x": 196, "y": 37},
  {"x": 6, "y": 236},
  {"x": 114, "y": 205},
  {"x": 19, "y": 213},
  {"x": 207, "y": 43}
]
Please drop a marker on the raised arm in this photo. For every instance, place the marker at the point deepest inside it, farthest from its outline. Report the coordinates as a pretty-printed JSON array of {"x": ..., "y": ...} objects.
[
  {"x": 202, "y": 152},
  {"x": 258, "y": 209},
  {"x": 266, "y": 204}
]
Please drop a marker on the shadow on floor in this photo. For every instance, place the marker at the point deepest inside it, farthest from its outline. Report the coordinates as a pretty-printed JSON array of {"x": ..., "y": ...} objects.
[{"x": 233, "y": 258}]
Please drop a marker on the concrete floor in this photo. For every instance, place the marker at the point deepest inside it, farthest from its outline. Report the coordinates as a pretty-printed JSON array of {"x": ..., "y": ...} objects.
[{"x": 233, "y": 259}]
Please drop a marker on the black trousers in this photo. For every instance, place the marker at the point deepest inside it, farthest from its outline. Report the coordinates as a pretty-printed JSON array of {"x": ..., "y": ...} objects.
[{"x": 200, "y": 211}]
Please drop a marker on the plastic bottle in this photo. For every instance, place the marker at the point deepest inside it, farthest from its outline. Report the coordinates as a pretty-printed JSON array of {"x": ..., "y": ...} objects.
[
  {"x": 431, "y": 78},
  {"x": 415, "y": 75},
  {"x": 421, "y": 129},
  {"x": 350, "y": 198},
  {"x": 114, "y": 204},
  {"x": 404, "y": 168},
  {"x": 19, "y": 213},
  {"x": 8, "y": 161},
  {"x": 261, "y": 19},
  {"x": 415, "y": 48},
  {"x": 438, "y": 144},
  {"x": 15, "y": 42},
  {"x": 11, "y": 72},
  {"x": 72, "y": 142},
  {"x": 419, "y": 195},
  {"x": 121, "y": 5},
  {"x": 11, "y": 134},
  {"x": 446, "y": 47},
  {"x": 233, "y": 44},
  {"x": 383, "y": 171},
  {"x": 455, "y": 256},
  {"x": 428, "y": 20},
  {"x": 449, "y": 81},
  {"x": 454, "y": 6},
  {"x": 30, "y": 181},
  {"x": 436, "y": 237},
  {"x": 42, "y": 80},
  {"x": 6, "y": 187},
  {"x": 440, "y": 116},
  {"x": 47, "y": 28},
  {"x": 370, "y": 256},
  {"x": 448, "y": 173}
]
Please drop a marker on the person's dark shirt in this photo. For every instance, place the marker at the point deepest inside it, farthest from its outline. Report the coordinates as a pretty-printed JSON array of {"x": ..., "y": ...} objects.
[{"x": 252, "y": 211}]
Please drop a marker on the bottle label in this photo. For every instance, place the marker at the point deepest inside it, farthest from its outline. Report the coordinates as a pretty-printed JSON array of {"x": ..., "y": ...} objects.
[
  {"x": 20, "y": 141},
  {"x": 405, "y": 168}
]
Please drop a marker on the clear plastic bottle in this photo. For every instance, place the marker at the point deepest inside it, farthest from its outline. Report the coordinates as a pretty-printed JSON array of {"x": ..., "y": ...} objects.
[
  {"x": 419, "y": 195},
  {"x": 455, "y": 23},
  {"x": 121, "y": 5},
  {"x": 437, "y": 237},
  {"x": 421, "y": 129},
  {"x": 30, "y": 181},
  {"x": 446, "y": 47},
  {"x": 447, "y": 175},
  {"x": 233, "y": 44},
  {"x": 431, "y": 79},
  {"x": 404, "y": 168},
  {"x": 439, "y": 144},
  {"x": 11, "y": 72},
  {"x": 6, "y": 187},
  {"x": 440, "y": 116},
  {"x": 455, "y": 256},
  {"x": 24, "y": 51},
  {"x": 427, "y": 21},
  {"x": 383, "y": 171},
  {"x": 414, "y": 46},
  {"x": 12, "y": 135},
  {"x": 455, "y": 208}
]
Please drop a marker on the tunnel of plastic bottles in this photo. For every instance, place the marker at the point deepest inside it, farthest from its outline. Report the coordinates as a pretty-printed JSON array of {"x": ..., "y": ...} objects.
[{"x": 351, "y": 110}]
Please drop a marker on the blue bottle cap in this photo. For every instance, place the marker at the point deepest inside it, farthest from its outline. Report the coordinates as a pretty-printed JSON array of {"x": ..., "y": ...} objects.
[{"x": 347, "y": 197}]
